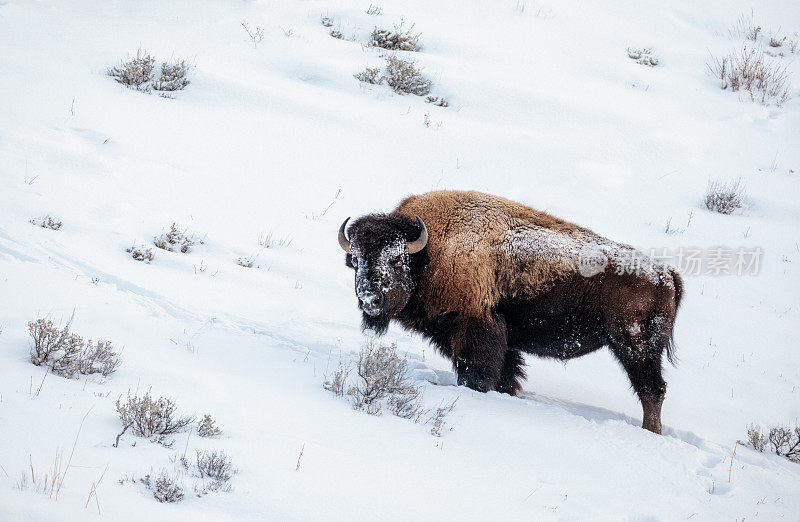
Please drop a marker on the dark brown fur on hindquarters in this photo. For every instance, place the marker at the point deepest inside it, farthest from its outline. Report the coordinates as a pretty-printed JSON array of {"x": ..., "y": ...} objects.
[{"x": 496, "y": 279}]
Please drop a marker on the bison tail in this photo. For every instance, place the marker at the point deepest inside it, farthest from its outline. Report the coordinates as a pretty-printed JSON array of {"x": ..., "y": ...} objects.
[{"x": 678, "y": 282}]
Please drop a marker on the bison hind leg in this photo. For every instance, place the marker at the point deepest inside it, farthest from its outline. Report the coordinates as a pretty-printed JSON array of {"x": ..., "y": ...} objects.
[{"x": 640, "y": 354}]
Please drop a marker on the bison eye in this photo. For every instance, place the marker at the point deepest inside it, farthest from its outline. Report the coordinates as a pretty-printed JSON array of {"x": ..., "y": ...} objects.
[{"x": 397, "y": 261}]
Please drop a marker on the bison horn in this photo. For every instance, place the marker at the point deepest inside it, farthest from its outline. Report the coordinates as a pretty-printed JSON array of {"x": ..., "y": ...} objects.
[
  {"x": 419, "y": 243},
  {"x": 343, "y": 241}
]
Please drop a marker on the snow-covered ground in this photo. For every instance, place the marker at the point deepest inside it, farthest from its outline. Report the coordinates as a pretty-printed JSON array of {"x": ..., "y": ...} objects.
[{"x": 279, "y": 138}]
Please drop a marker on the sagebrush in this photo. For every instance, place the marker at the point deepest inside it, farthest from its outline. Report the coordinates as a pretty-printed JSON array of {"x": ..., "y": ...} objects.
[
  {"x": 174, "y": 77},
  {"x": 781, "y": 440},
  {"x": 405, "y": 78},
  {"x": 67, "y": 353},
  {"x": 724, "y": 197},
  {"x": 396, "y": 39},
  {"x": 136, "y": 73},
  {"x": 151, "y": 418},
  {"x": 47, "y": 222},
  {"x": 165, "y": 487},
  {"x": 139, "y": 73},
  {"x": 207, "y": 427},
  {"x": 140, "y": 253},
  {"x": 644, "y": 56},
  {"x": 766, "y": 81},
  {"x": 175, "y": 240}
]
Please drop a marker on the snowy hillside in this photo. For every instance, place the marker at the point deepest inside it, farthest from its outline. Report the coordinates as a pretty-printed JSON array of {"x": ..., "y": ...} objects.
[{"x": 264, "y": 154}]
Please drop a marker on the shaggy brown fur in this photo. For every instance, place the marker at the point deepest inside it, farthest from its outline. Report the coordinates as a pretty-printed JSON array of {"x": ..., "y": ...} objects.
[
  {"x": 487, "y": 247},
  {"x": 498, "y": 278}
]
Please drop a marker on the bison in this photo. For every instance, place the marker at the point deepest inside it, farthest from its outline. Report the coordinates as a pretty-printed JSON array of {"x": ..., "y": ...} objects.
[{"x": 485, "y": 279}]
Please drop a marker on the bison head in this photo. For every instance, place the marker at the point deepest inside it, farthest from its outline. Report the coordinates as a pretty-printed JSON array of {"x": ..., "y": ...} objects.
[{"x": 387, "y": 253}]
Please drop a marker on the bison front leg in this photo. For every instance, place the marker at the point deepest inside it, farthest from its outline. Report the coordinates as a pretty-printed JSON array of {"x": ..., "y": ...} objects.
[{"x": 478, "y": 350}]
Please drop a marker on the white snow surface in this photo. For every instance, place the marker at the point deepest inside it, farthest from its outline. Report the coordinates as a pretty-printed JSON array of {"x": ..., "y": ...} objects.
[{"x": 545, "y": 108}]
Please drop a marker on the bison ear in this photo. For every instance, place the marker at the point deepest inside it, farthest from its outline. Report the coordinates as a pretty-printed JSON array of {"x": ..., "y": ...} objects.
[{"x": 419, "y": 243}]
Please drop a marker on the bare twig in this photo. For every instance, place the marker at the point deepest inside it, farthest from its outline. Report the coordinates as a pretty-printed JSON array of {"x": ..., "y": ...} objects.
[{"x": 297, "y": 468}]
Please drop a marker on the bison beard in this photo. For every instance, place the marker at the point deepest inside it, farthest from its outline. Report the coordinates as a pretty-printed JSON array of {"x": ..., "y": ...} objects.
[
  {"x": 377, "y": 323},
  {"x": 498, "y": 279}
]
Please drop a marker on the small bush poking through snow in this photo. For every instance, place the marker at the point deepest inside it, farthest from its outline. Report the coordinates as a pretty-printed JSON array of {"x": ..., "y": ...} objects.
[
  {"x": 405, "y": 78},
  {"x": 382, "y": 381},
  {"x": 175, "y": 240},
  {"x": 140, "y": 253},
  {"x": 337, "y": 383},
  {"x": 136, "y": 73},
  {"x": 47, "y": 222},
  {"x": 173, "y": 77},
  {"x": 439, "y": 416},
  {"x": 268, "y": 240},
  {"x": 256, "y": 34},
  {"x": 749, "y": 70},
  {"x": 395, "y": 40},
  {"x": 724, "y": 198},
  {"x": 382, "y": 374},
  {"x": 207, "y": 427},
  {"x": 370, "y": 75},
  {"x": 98, "y": 358},
  {"x": 374, "y": 10},
  {"x": 745, "y": 27},
  {"x": 336, "y": 34},
  {"x": 643, "y": 56},
  {"x": 756, "y": 439},
  {"x": 215, "y": 465},
  {"x": 151, "y": 418},
  {"x": 47, "y": 340},
  {"x": 783, "y": 441},
  {"x": 67, "y": 353},
  {"x": 165, "y": 488},
  {"x": 326, "y": 21},
  {"x": 439, "y": 102},
  {"x": 246, "y": 262}
]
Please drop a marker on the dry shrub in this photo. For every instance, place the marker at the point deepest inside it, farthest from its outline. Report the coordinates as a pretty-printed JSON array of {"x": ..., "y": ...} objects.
[
  {"x": 396, "y": 39},
  {"x": 643, "y": 56},
  {"x": 207, "y": 427},
  {"x": 175, "y": 240},
  {"x": 47, "y": 222},
  {"x": 140, "y": 253},
  {"x": 136, "y": 73},
  {"x": 173, "y": 77},
  {"x": 766, "y": 81},
  {"x": 438, "y": 101},
  {"x": 246, "y": 262},
  {"x": 215, "y": 465},
  {"x": 783, "y": 441},
  {"x": 723, "y": 197},
  {"x": 439, "y": 416},
  {"x": 382, "y": 374},
  {"x": 337, "y": 383},
  {"x": 151, "y": 418},
  {"x": 67, "y": 353},
  {"x": 370, "y": 75},
  {"x": 165, "y": 488},
  {"x": 98, "y": 358},
  {"x": 405, "y": 78},
  {"x": 746, "y": 28}
]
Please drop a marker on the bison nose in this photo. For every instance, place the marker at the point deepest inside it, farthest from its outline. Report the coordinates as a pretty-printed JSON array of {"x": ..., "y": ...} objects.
[{"x": 372, "y": 303}]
